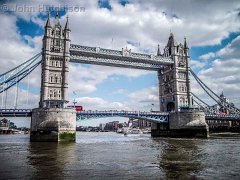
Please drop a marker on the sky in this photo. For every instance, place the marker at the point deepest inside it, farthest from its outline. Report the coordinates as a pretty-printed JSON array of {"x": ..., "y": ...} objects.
[{"x": 212, "y": 29}]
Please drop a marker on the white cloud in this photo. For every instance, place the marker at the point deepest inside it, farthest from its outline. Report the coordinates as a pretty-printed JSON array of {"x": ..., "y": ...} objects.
[
  {"x": 96, "y": 103},
  {"x": 224, "y": 73},
  {"x": 138, "y": 100},
  {"x": 231, "y": 50},
  {"x": 150, "y": 22},
  {"x": 120, "y": 91},
  {"x": 144, "y": 98},
  {"x": 85, "y": 79},
  {"x": 207, "y": 56},
  {"x": 194, "y": 64},
  {"x": 24, "y": 99}
]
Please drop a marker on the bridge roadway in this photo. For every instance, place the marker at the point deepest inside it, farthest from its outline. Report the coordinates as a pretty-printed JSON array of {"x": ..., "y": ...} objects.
[{"x": 161, "y": 117}]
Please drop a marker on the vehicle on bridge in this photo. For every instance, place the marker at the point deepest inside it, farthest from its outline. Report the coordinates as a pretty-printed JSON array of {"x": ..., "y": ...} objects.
[{"x": 78, "y": 108}]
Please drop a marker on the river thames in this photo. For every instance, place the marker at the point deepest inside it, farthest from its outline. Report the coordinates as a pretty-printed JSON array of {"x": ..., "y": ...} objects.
[{"x": 110, "y": 155}]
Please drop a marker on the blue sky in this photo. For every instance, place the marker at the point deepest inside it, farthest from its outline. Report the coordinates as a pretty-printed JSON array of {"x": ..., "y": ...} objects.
[{"x": 212, "y": 33}]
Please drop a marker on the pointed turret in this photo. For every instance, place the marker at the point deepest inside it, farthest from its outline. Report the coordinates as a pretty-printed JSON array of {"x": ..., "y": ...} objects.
[
  {"x": 171, "y": 40},
  {"x": 186, "y": 49},
  {"x": 67, "y": 27},
  {"x": 222, "y": 95},
  {"x": 158, "y": 51},
  {"x": 67, "y": 30},
  {"x": 48, "y": 24},
  {"x": 185, "y": 43},
  {"x": 56, "y": 22}
]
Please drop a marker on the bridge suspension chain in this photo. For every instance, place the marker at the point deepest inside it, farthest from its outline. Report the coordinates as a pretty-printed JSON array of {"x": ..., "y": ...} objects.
[
  {"x": 15, "y": 75},
  {"x": 218, "y": 98},
  {"x": 200, "y": 100},
  {"x": 199, "y": 104},
  {"x": 7, "y": 76},
  {"x": 27, "y": 93}
]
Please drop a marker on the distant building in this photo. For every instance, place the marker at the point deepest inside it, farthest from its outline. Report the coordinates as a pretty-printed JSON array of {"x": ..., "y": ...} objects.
[
  {"x": 216, "y": 108},
  {"x": 112, "y": 126},
  {"x": 222, "y": 110},
  {"x": 139, "y": 123},
  {"x": 4, "y": 124}
]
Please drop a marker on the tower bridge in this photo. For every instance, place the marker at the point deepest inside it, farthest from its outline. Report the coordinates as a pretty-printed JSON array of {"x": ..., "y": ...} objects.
[{"x": 51, "y": 119}]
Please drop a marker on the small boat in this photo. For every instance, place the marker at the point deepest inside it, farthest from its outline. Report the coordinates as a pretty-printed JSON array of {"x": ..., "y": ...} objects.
[
  {"x": 135, "y": 131},
  {"x": 146, "y": 131},
  {"x": 120, "y": 130}
]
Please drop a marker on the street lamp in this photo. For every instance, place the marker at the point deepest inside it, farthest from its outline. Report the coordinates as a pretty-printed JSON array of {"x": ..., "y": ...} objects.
[
  {"x": 152, "y": 107},
  {"x": 74, "y": 102}
]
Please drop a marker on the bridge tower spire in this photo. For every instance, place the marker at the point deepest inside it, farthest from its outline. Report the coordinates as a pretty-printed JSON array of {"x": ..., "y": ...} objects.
[
  {"x": 48, "y": 23},
  {"x": 158, "y": 51}
]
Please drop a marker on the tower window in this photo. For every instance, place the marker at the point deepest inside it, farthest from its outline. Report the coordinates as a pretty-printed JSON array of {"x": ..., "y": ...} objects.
[
  {"x": 57, "y": 32},
  {"x": 50, "y": 93},
  {"x": 51, "y": 79},
  {"x": 56, "y": 79},
  {"x": 57, "y": 42},
  {"x": 182, "y": 88},
  {"x": 55, "y": 93}
]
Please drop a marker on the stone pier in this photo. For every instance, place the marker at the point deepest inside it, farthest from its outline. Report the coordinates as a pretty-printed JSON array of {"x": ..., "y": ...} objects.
[
  {"x": 183, "y": 124},
  {"x": 53, "y": 125}
]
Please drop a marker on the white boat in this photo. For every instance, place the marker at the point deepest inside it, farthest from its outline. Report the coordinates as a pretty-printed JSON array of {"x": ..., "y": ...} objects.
[
  {"x": 120, "y": 130},
  {"x": 135, "y": 131},
  {"x": 146, "y": 131}
]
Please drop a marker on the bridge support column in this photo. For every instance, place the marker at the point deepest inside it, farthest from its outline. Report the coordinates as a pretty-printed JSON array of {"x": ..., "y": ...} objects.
[
  {"x": 53, "y": 124},
  {"x": 183, "y": 124}
]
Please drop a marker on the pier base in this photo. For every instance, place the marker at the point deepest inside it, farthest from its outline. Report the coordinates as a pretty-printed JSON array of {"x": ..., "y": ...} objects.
[
  {"x": 182, "y": 124},
  {"x": 53, "y": 125}
]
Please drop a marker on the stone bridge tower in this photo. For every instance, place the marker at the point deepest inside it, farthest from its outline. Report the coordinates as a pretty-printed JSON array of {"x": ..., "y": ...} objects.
[
  {"x": 55, "y": 59},
  {"x": 51, "y": 121},
  {"x": 174, "y": 87},
  {"x": 175, "y": 96}
]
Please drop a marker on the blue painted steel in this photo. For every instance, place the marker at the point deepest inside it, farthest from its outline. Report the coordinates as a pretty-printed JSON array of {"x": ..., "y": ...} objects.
[
  {"x": 149, "y": 116},
  {"x": 15, "y": 75},
  {"x": 15, "y": 112}
]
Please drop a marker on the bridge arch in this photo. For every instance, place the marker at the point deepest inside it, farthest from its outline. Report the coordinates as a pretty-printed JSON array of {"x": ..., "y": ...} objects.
[{"x": 170, "y": 106}]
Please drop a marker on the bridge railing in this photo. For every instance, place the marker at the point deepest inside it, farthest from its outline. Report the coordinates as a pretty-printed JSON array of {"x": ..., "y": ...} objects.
[
  {"x": 148, "y": 116},
  {"x": 121, "y": 112},
  {"x": 15, "y": 110},
  {"x": 223, "y": 116}
]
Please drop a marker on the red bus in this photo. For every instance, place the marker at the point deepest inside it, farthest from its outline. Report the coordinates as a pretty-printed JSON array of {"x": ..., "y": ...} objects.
[{"x": 78, "y": 108}]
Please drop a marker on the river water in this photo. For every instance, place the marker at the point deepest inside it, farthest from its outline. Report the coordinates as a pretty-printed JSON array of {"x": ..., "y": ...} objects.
[{"x": 109, "y": 155}]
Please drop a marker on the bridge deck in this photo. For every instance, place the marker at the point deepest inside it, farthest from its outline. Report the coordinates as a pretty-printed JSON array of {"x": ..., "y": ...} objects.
[
  {"x": 108, "y": 57},
  {"x": 153, "y": 116}
]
